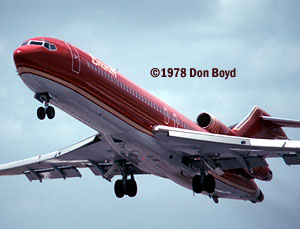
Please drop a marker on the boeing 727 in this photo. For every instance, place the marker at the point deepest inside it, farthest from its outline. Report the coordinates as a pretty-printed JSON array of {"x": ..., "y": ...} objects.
[{"x": 137, "y": 133}]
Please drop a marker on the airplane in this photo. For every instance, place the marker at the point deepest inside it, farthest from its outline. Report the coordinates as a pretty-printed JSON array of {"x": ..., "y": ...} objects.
[{"x": 138, "y": 134}]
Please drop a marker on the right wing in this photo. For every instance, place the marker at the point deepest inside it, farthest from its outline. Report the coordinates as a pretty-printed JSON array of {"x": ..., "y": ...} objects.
[
  {"x": 95, "y": 153},
  {"x": 226, "y": 152}
]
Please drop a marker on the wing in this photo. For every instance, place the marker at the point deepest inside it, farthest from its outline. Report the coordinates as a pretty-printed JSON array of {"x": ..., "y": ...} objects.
[
  {"x": 95, "y": 153},
  {"x": 226, "y": 152}
]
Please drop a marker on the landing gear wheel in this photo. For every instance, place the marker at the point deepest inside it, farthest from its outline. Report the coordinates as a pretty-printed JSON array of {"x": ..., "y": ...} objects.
[
  {"x": 131, "y": 188},
  {"x": 197, "y": 184},
  {"x": 41, "y": 113},
  {"x": 119, "y": 188},
  {"x": 50, "y": 112},
  {"x": 209, "y": 183}
]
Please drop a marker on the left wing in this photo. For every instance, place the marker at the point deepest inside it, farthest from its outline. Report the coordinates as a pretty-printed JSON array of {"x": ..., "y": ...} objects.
[
  {"x": 95, "y": 153},
  {"x": 226, "y": 152}
]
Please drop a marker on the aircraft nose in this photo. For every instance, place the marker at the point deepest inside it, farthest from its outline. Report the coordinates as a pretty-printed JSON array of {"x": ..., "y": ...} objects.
[
  {"x": 28, "y": 56},
  {"x": 21, "y": 55}
]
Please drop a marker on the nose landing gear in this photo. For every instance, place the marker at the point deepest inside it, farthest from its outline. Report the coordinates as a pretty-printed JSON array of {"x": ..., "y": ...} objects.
[
  {"x": 46, "y": 110},
  {"x": 43, "y": 111}
]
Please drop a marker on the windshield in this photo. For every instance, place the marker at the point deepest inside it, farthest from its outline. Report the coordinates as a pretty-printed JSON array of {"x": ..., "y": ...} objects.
[{"x": 45, "y": 44}]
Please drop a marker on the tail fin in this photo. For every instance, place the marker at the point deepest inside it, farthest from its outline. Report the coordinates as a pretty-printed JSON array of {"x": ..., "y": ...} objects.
[{"x": 259, "y": 124}]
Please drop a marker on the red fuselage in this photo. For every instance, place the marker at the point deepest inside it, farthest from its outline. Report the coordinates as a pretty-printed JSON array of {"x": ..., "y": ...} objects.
[
  {"x": 109, "y": 88},
  {"x": 104, "y": 86}
]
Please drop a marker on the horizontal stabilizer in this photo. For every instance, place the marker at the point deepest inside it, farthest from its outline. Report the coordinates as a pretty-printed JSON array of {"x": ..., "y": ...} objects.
[{"x": 282, "y": 122}]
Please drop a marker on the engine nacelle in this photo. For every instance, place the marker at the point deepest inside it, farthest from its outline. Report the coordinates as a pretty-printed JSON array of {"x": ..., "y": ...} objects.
[
  {"x": 262, "y": 173},
  {"x": 212, "y": 125}
]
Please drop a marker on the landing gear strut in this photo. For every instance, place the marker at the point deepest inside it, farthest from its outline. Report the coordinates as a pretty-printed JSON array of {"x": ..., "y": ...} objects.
[
  {"x": 46, "y": 110},
  {"x": 203, "y": 182}
]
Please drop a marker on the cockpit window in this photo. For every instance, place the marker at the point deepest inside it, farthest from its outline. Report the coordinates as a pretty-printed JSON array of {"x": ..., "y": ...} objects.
[
  {"x": 36, "y": 43},
  {"x": 52, "y": 47},
  {"x": 45, "y": 44}
]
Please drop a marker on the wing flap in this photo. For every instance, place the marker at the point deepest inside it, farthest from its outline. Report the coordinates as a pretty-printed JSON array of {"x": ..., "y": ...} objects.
[
  {"x": 234, "y": 163},
  {"x": 291, "y": 159},
  {"x": 52, "y": 174}
]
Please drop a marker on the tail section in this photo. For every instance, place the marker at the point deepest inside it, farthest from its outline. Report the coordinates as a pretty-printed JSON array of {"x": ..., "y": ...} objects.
[{"x": 259, "y": 124}]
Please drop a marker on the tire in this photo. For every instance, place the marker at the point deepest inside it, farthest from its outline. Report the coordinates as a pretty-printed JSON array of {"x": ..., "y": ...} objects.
[
  {"x": 119, "y": 190},
  {"x": 196, "y": 184},
  {"x": 131, "y": 188},
  {"x": 50, "y": 112},
  {"x": 209, "y": 183},
  {"x": 41, "y": 114}
]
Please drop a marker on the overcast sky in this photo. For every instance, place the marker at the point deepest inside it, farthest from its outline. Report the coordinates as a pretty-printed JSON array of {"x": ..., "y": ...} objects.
[{"x": 258, "y": 38}]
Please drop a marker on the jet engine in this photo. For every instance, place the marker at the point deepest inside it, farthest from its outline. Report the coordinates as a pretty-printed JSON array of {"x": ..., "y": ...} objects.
[
  {"x": 262, "y": 173},
  {"x": 212, "y": 125}
]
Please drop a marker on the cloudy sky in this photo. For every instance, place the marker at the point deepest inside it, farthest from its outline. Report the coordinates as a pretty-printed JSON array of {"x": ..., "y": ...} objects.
[{"x": 258, "y": 38}]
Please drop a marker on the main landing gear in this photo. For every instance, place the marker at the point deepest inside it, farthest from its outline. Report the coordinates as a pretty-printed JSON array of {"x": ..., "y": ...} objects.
[
  {"x": 125, "y": 187},
  {"x": 46, "y": 110},
  {"x": 203, "y": 182},
  {"x": 206, "y": 183}
]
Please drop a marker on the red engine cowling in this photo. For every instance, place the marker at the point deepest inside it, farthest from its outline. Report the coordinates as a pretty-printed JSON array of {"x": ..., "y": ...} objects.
[
  {"x": 262, "y": 173},
  {"x": 212, "y": 125}
]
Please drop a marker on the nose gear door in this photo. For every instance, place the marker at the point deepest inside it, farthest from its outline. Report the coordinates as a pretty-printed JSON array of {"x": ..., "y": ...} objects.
[{"x": 75, "y": 58}]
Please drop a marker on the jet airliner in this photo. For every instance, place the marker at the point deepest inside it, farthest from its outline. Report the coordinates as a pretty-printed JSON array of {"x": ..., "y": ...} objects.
[{"x": 137, "y": 133}]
